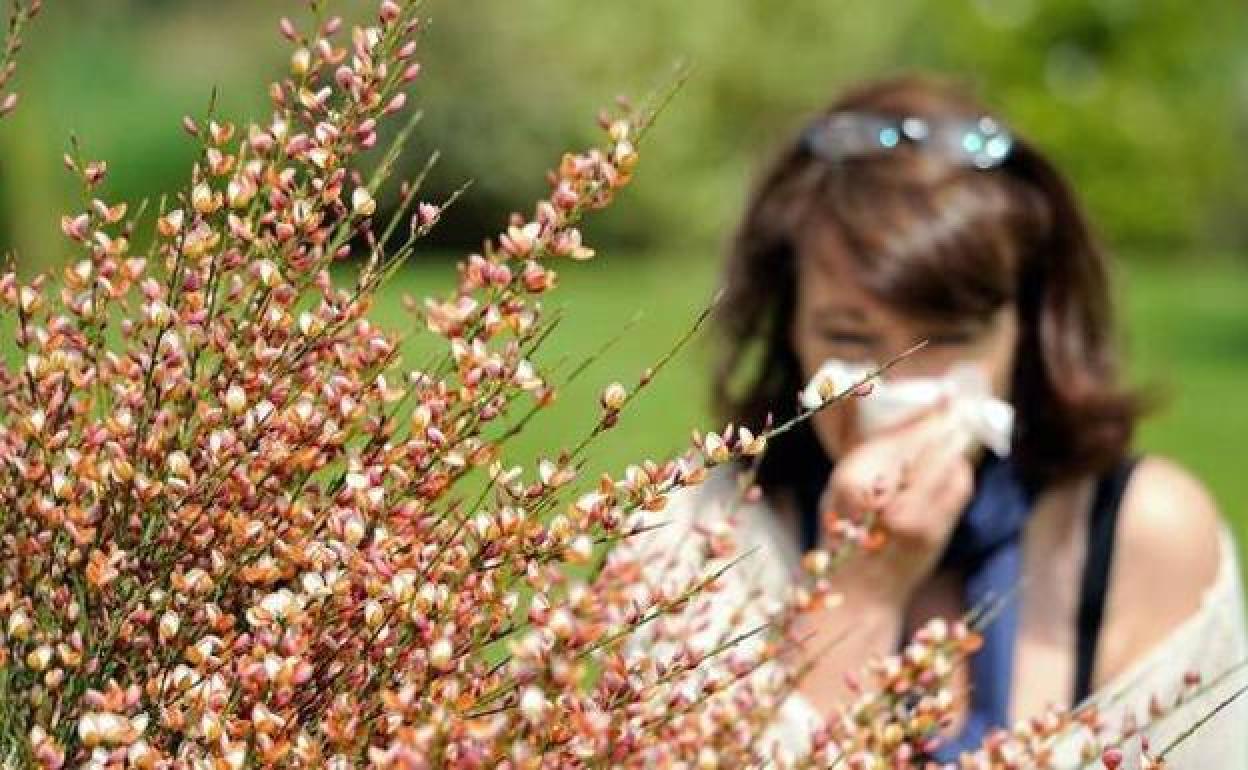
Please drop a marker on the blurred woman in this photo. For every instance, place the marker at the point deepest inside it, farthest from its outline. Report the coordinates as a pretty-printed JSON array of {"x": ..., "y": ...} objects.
[{"x": 906, "y": 212}]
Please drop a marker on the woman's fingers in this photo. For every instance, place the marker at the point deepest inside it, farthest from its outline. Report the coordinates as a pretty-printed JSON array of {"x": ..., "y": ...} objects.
[
  {"x": 865, "y": 480},
  {"x": 928, "y": 504},
  {"x": 902, "y": 475},
  {"x": 915, "y": 481}
]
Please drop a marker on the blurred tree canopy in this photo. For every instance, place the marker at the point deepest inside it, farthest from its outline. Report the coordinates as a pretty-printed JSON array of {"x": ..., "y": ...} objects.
[{"x": 1143, "y": 103}]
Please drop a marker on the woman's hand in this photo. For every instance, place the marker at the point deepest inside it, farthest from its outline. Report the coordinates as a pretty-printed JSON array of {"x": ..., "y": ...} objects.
[{"x": 914, "y": 479}]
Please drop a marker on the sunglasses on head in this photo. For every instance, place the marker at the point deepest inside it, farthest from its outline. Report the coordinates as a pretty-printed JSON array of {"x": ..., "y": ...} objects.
[{"x": 978, "y": 143}]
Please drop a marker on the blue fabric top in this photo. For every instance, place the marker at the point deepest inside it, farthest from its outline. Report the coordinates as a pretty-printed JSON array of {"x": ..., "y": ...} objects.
[{"x": 987, "y": 549}]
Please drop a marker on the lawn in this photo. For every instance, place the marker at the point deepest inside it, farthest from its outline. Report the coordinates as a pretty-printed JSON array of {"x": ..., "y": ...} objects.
[
  {"x": 1187, "y": 332},
  {"x": 1186, "y": 329}
]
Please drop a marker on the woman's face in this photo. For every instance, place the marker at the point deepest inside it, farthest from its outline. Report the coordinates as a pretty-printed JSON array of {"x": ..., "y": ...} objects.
[{"x": 836, "y": 318}]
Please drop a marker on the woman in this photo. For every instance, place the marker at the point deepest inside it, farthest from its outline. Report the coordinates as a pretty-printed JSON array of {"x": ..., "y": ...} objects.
[{"x": 906, "y": 213}]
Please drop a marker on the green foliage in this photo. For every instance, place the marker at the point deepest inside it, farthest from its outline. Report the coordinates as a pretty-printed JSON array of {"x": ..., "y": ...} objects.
[
  {"x": 1140, "y": 102},
  {"x": 1137, "y": 101}
]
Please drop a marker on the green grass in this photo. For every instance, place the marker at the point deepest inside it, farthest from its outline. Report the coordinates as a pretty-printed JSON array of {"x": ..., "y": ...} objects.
[
  {"x": 645, "y": 306},
  {"x": 1186, "y": 330},
  {"x": 1187, "y": 333}
]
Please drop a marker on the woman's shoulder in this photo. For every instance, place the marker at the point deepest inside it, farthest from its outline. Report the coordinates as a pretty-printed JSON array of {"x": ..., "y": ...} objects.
[
  {"x": 1174, "y": 561},
  {"x": 1168, "y": 541},
  {"x": 1176, "y": 627}
]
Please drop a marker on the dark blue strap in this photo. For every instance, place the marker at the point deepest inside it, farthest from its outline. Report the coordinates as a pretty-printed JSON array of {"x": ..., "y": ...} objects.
[{"x": 1094, "y": 589}]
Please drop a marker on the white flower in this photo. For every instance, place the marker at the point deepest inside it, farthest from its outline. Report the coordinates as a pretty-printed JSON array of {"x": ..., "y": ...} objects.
[
  {"x": 533, "y": 705},
  {"x": 19, "y": 625},
  {"x": 614, "y": 396},
  {"x": 96, "y": 728},
  {"x": 580, "y": 550},
  {"x": 715, "y": 449},
  {"x": 169, "y": 625},
  {"x": 440, "y": 654},
  {"x": 833, "y": 377},
  {"x": 315, "y": 585},
  {"x": 362, "y": 202},
  {"x": 278, "y": 607}
]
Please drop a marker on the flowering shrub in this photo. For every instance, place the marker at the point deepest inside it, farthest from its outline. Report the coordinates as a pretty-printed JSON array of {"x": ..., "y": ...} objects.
[{"x": 237, "y": 532}]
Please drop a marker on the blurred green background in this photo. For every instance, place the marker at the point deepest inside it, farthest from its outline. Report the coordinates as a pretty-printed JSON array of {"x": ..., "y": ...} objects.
[{"x": 1143, "y": 104}]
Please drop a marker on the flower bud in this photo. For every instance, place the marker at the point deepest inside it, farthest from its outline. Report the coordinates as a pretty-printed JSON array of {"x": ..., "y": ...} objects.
[
  {"x": 1111, "y": 758},
  {"x": 169, "y": 625},
  {"x": 39, "y": 658},
  {"x": 626, "y": 155},
  {"x": 203, "y": 198},
  {"x": 440, "y": 654},
  {"x": 210, "y": 727},
  {"x": 300, "y": 62},
  {"x": 403, "y": 585},
  {"x": 157, "y": 312},
  {"x": 240, "y": 193},
  {"x": 816, "y": 562},
  {"x": 353, "y": 530},
  {"x": 561, "y": 623},
  {"x": 95, "y": 172},
  {"x": 345, "y": 77},
  {"x": 314, "y": 585},
  {"x": 9, "y": 104},
  {"x": 320, "y": 157},
  {"x": 533, "y": 705},
  {"x": 374, "y": 614},
  {"x": 619, "y": 130},
  {"x": 236, "y": 399},
  {"x": 19, "y": 625},
  {"x": 715, "y": 449},
  {"x": 750, "y": 444},
  {"x": 428, "y": 214},
  {"x": 178, "y": 463},
  {"x": 614, "y": 397},
  {"x": 170, "y": 224},
  {"x": 390, "y": 12},
  {"x": 268, "y": 273},
  {"x": 89, "y": 730},
  {"x": 76, "y": 227},
  {"x": 395, "y": 104},
  {"x": 580, "y": 550},
  {"x": 141, "y": 756},
  {"x": 362, "y": 202},
  {"x": 310, "y": 324},
  {"x": 31, "y": 300},
  {"x": 707, "y": 759}
]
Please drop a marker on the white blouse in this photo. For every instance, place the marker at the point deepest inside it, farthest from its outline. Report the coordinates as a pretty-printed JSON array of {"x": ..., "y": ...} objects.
[{"x": 1212, "y": 641}]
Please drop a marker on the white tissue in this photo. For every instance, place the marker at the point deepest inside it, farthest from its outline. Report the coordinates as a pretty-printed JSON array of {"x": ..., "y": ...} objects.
[{"x": 976, "y": 414}]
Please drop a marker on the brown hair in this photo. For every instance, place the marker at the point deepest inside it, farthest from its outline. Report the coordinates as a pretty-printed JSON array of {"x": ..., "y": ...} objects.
[{"x": 935, "y": 239}]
